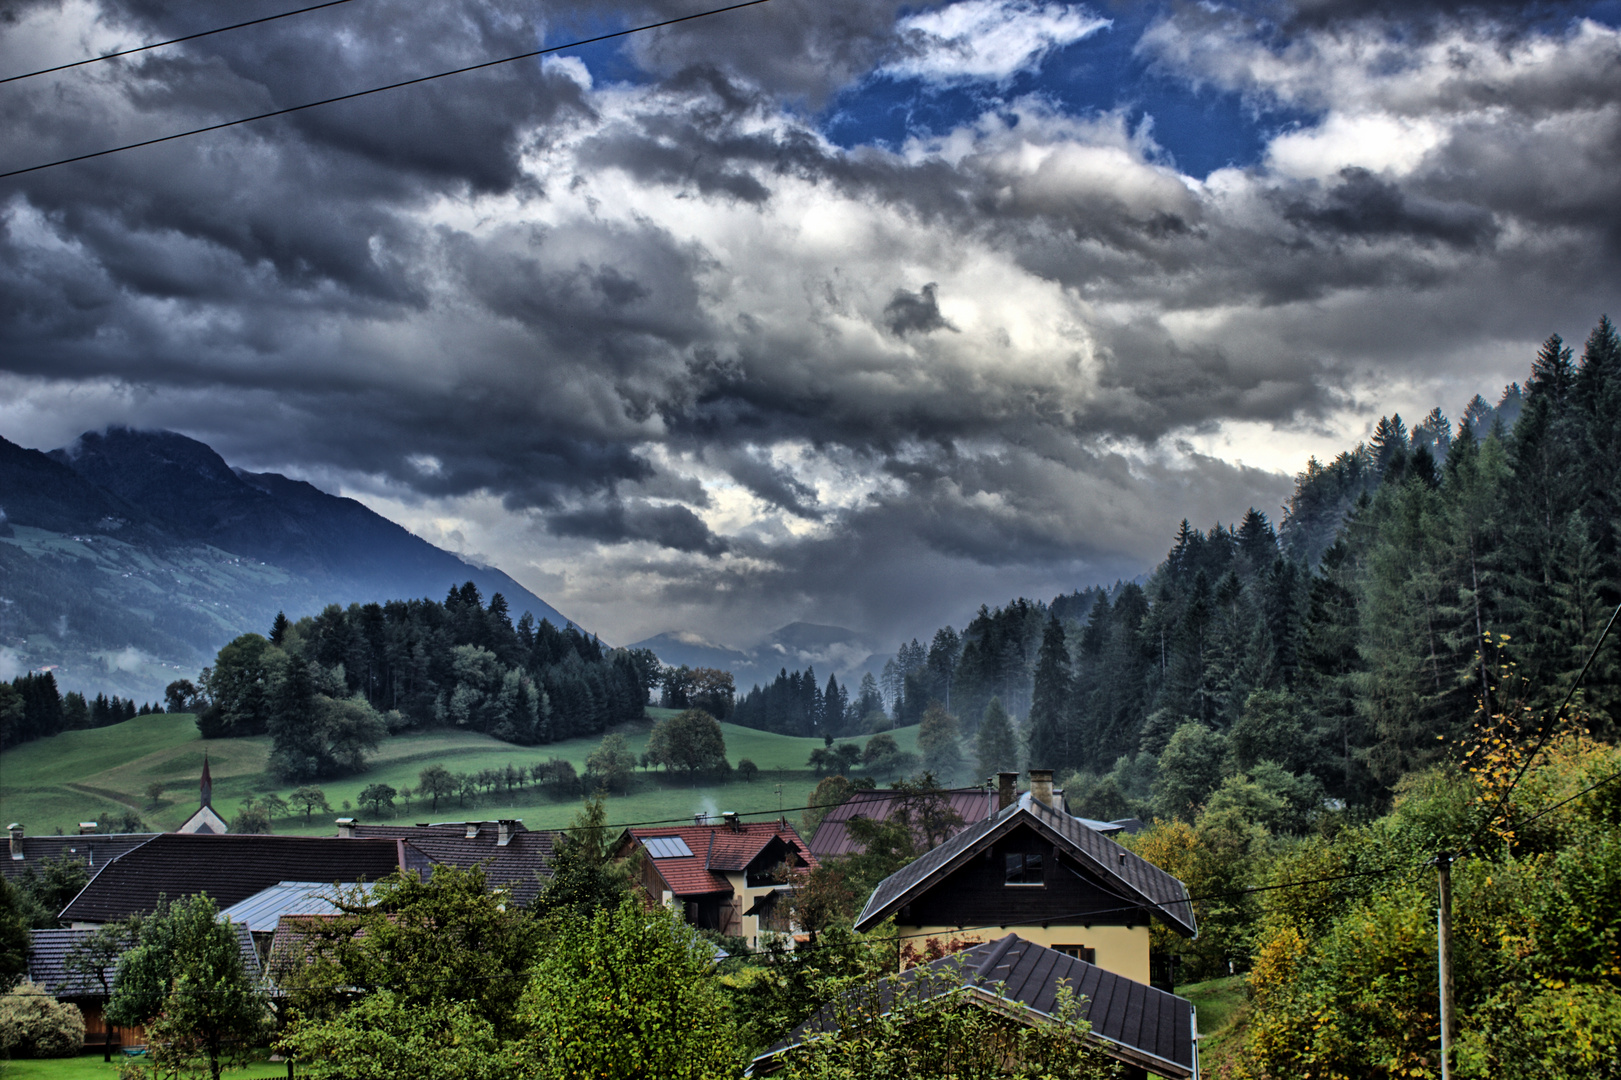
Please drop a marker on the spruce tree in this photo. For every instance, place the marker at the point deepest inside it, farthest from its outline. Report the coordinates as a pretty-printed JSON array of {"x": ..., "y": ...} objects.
[
  {"x": 1049, "y": 702},
  {"x": 998, "y": 750}
]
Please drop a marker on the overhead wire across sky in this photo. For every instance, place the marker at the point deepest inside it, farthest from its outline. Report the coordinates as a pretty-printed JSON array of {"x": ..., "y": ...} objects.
[{"x": 531, "y": 54}]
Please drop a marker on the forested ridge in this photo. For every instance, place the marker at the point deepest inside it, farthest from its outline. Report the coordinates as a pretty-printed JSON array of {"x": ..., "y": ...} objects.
[{"x": 1349, "y": 644}]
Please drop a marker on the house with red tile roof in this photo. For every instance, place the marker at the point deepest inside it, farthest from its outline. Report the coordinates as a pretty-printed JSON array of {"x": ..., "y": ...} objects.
[{"x": 724, "y": 876}]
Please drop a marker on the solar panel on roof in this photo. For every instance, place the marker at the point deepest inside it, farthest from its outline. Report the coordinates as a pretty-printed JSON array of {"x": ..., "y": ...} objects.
[{"x": 667, "y": 847}]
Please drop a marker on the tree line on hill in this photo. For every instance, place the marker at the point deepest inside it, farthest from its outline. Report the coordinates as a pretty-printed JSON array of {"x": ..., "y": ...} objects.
[
  {"x": 328, "y": 687},
  {"x": 32, "y": 706}
]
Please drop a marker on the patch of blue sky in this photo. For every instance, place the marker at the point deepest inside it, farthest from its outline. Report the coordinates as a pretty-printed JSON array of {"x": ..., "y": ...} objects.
[{"x": 1199, "y": 129}]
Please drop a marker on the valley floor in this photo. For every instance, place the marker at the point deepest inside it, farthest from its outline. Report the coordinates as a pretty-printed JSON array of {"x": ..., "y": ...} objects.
[{"x": 52, "y": 784}]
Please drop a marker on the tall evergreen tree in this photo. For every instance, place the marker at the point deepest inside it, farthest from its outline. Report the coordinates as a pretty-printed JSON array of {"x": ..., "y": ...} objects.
[{"x": 1050, "y": 743}]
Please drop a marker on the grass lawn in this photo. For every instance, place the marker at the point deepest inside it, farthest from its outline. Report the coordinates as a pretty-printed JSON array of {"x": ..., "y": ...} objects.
[
  {"x": 91, "y": 1067},
  {"x": 1222, "y": 1006},
  {"x": 55, "y": 783}
]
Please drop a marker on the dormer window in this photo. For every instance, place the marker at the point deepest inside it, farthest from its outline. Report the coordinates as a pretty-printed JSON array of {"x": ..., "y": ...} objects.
[{"x": 1025, "y": 869}]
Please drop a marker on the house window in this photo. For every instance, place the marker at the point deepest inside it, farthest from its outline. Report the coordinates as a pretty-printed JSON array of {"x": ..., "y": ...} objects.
[
  {"x": 1024, "y": 869},
  {"x": 1079, "y": 952}
]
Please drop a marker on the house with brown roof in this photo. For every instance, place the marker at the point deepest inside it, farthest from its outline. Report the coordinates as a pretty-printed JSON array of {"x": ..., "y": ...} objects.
[
  {"x": 1147, "y": 1031},
  {"x": 1043, "y": 874},
  {"x": 512, "y": 857},
  {"x": 89, "y": 847},
  {"x": 230, "y": 869},
  {"x": 968, "y": 806},
  {"x": 725, "y": 876}
]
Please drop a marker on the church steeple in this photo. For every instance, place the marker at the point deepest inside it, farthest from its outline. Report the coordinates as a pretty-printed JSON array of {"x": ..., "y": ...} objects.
[{"x": 208, "y": 782}]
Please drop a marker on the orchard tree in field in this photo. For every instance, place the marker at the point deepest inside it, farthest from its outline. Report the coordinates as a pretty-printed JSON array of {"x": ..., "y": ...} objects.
[
  {"x": 612, "y": 765},
  {"x": 311, "y": 799},
  {"x": 185, "y": 982},
  {"x": 690, "y": 741},
  {"x": 378, "y": 797},
  {"x": 435, "y": 783}
]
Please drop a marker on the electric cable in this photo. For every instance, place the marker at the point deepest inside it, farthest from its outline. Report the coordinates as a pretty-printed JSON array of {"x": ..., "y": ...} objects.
[
  {"x": 171, "y": 41},
  {"x": 380, "y": 89}
]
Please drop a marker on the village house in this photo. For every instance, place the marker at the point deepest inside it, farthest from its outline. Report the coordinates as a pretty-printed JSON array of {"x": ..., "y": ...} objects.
[
  {"x": 967, "y": 806},
  {"x": 1147, "y": 1031},
  {"x": 726, "y": 877},
  {"x": 1042, "y": 874}
]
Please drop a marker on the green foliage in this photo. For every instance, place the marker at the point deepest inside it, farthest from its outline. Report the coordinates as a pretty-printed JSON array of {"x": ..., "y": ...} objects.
[
  {"x": 45, "y": 887},
  {"x": 997, "y": 750},
  {"x": 747, "y": 770},
  {"x": 777, "y": 989},
  {"x": 690, "y": 741},
  {"x": 927, "y": 1027},
  {"x": 382, "y": 1038},
  {"x": 629, "y": 994},
  {"x": 184, "y": 980},
  {"x": 35, "y": 1025},
  {"x": 612, "y": 765},
  {"x": 14, "y": 936},
  {"x": 443, "y": 963},
  {"x": 937, "y": 742},
  {"x": 1189, "y": 770},
  {"x": 586, "y": 875},
  {"x": 309, "y": 799},
  {"x": 379, "y": 799}
]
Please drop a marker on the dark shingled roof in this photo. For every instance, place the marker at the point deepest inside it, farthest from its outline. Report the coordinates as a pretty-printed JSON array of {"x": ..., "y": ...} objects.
[
  {"x": 228, "y": 868},
  {"x": 95, "y": 850},
  {"x": 523, "y": 865},
  {"x": 1138, "y": 878},
  {"x": 48, "y": 954},
  {"x": 1131, "y": 1022}
]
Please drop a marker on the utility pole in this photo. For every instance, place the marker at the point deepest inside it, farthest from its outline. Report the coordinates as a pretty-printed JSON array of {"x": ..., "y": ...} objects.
[{"x": 1443, "y": 948}]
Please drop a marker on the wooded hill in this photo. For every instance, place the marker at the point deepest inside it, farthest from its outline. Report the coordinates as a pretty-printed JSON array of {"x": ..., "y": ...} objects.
[{"x": 1409, "y": 578}]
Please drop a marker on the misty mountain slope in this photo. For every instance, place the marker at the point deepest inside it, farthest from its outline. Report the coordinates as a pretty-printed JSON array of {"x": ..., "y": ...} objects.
[
  {"x": 201, "y": 499},
  {"x": 830, "y": 649},
  {"x": 128, "y": 558}
]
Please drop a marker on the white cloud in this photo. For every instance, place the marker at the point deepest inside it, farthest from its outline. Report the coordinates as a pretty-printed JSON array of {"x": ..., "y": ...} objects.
[{"x": 990, "y": 40}]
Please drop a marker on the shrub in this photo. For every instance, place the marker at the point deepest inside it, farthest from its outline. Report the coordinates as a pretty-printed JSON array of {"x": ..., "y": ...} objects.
[{"x": 34, "y": 1024}]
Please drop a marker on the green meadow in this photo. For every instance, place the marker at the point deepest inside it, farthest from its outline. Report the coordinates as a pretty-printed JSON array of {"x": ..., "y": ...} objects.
[{"x": 53, "y": 784}]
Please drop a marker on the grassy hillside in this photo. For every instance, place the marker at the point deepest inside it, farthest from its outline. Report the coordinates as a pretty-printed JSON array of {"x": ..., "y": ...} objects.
[{"x": 55, "y": 783}]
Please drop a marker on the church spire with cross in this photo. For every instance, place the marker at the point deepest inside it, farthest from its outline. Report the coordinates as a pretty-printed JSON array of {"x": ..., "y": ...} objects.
[{"x": 205, "y": 820}]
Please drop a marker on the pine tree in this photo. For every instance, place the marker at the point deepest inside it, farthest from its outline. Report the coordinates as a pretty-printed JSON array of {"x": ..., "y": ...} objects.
[
  {"x": 997, "y": 748},
  {"x": 1049, "y": 734}
]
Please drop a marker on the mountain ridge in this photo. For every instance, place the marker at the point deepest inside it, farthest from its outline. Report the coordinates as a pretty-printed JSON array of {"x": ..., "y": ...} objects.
[{"x": 157, "y": 523}]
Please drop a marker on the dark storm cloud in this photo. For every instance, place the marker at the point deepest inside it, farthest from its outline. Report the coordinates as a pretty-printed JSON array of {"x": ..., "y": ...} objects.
[
  {"x": 915, "y": 312},
  {"x": 1363, "y": 205},
  {"x": 570, "y": 300},
  {"x": 673, "y": 527}
]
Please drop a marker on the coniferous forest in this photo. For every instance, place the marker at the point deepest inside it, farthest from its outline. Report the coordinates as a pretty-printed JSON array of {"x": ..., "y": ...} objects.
[{"x": 1348, "y": 643}]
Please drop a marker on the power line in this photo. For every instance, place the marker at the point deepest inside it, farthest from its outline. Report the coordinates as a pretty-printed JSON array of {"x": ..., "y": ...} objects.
[
  {"x": 380, "y": 89},
  {"x": 171, "y": 41},
  {"x": 1547, "y": 733}
]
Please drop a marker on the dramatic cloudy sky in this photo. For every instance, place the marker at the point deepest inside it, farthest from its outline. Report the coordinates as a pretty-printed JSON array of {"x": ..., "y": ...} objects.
[{"x": 839, "y": 310}]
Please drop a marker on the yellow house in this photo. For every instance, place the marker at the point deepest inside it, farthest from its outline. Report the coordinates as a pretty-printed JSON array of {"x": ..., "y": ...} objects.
[{"x": 1038, "y": 872}]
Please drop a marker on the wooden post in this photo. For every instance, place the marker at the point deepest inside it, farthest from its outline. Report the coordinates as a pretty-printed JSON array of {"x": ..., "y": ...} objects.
[{"x": 1443, "y": 945}]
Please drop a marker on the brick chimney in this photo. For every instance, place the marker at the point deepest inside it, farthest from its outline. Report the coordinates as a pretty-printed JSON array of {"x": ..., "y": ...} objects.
[
  {"x": 346, "y": 827},
  {"x": 16, "y": 832},
  {"x": 504, "y": 830},
  {"x": 1007, "y": 789},
  {"x": 1041, "y": 785}
]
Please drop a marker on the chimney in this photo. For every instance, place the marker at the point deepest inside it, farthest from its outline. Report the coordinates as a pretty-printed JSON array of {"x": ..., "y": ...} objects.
[
  {"x": 504, "y": 830},
  {"x": 730, "y": 817},
  {"x": 701, "y": 818},
  {"x": 472, "y": 830},
  {"x": 1007, "y": 789},
  {"x": 86, "y": 828},
  {"x": 1041, "y": 785},
  {"x": 346, "y": 827},
  {"x": 16, "y": 832}
]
